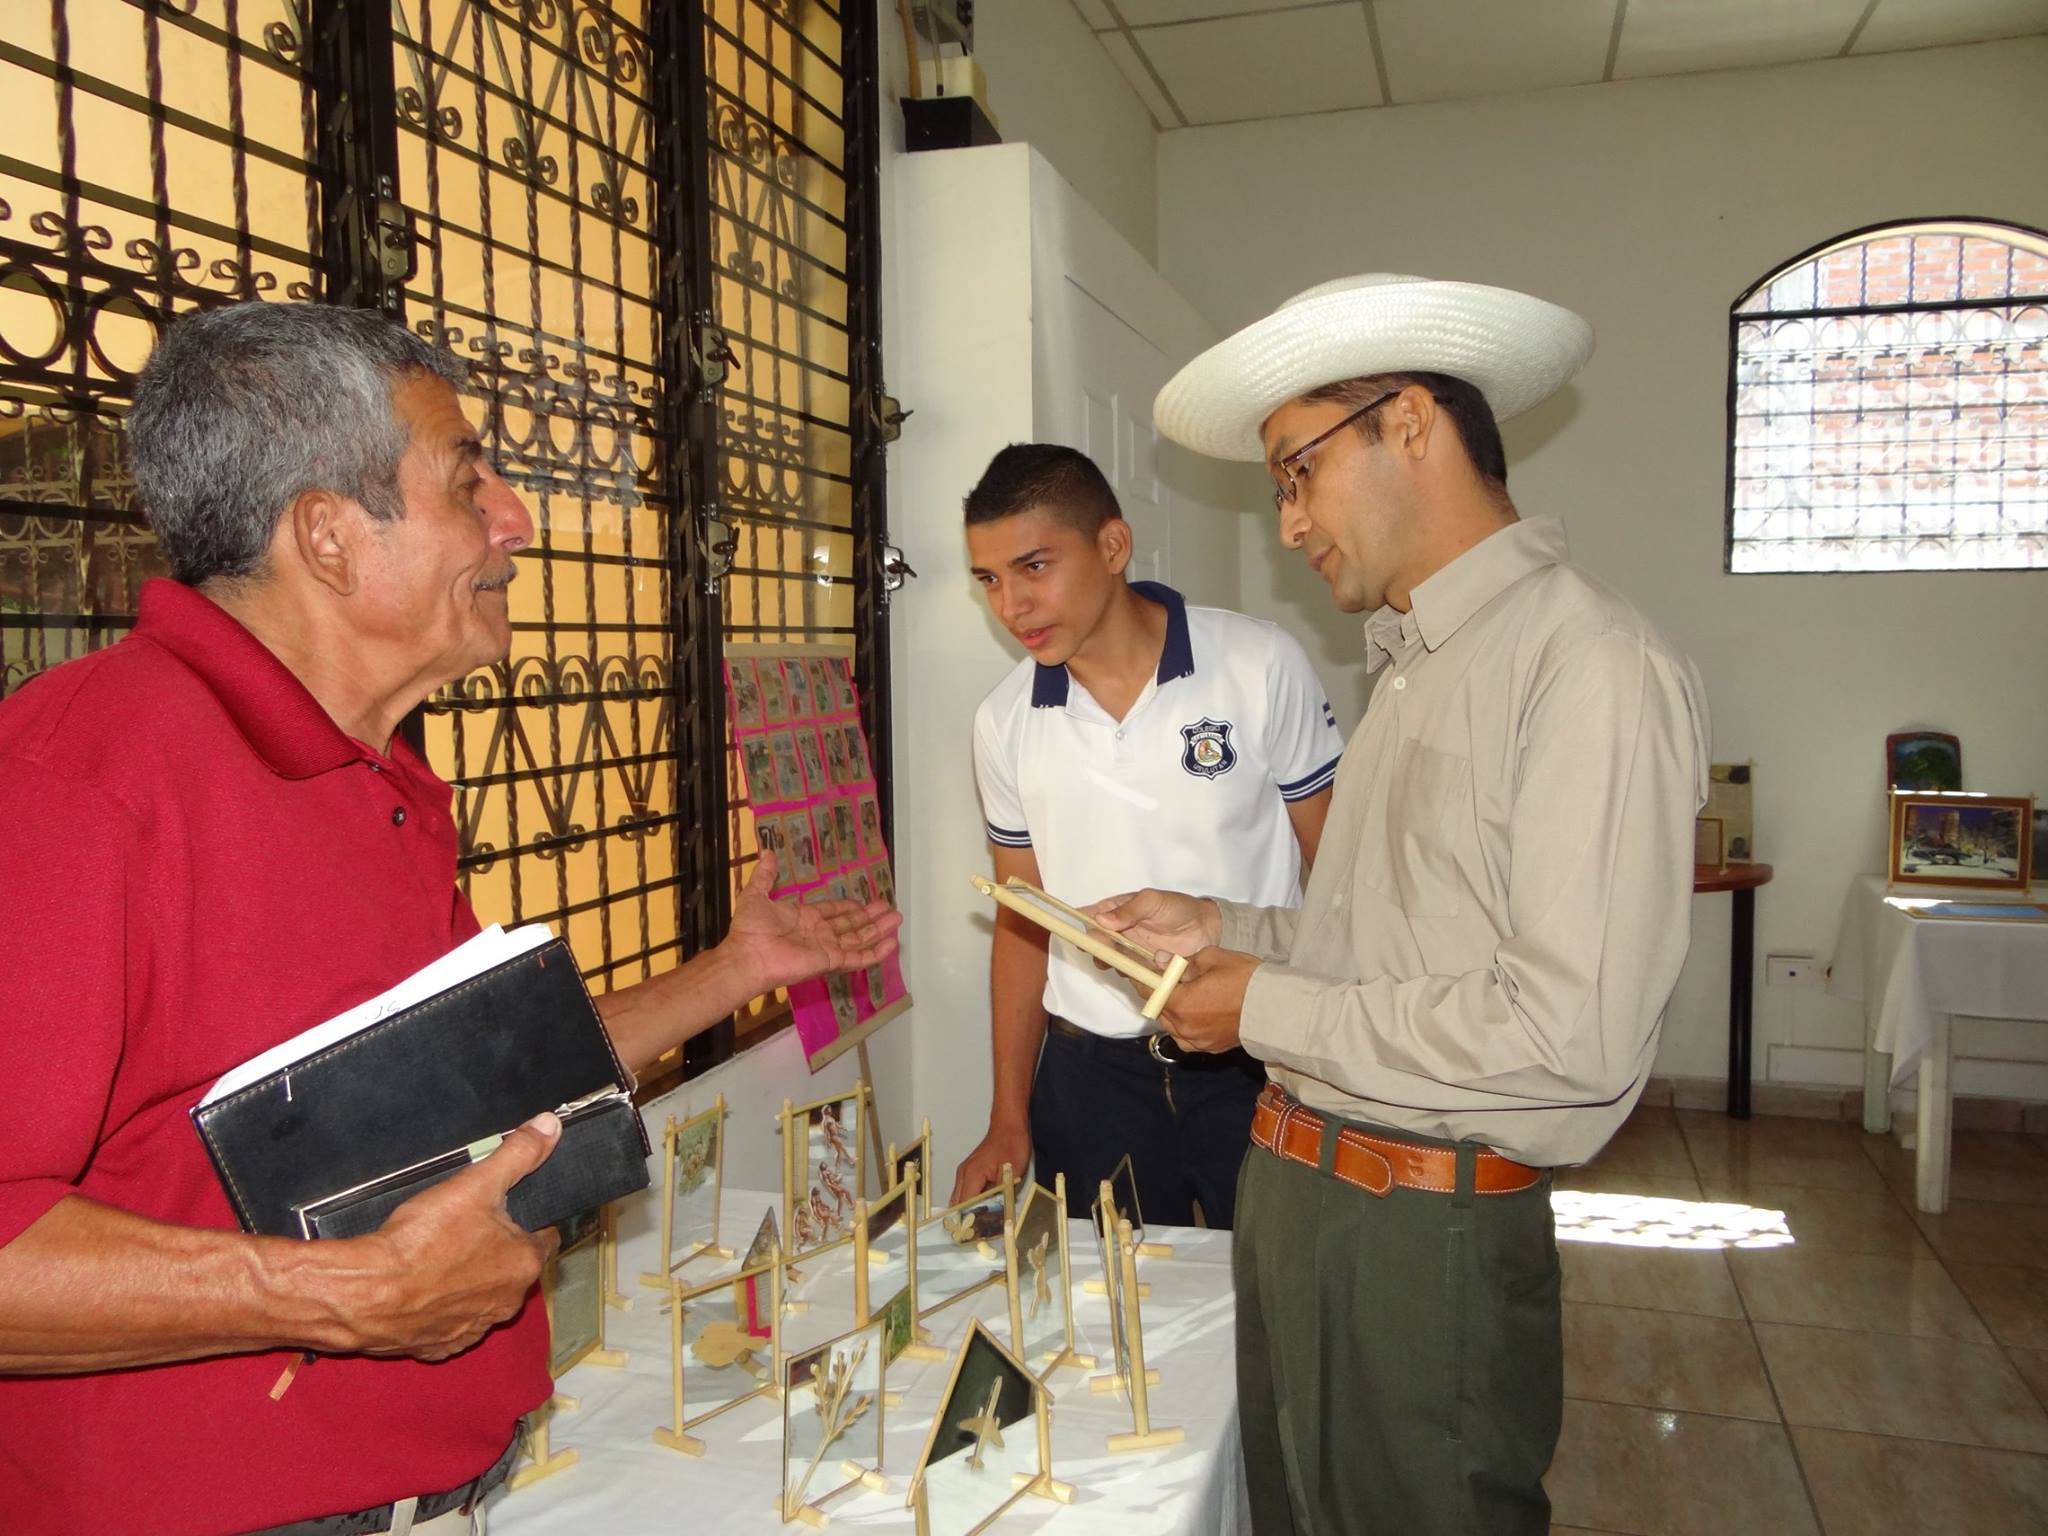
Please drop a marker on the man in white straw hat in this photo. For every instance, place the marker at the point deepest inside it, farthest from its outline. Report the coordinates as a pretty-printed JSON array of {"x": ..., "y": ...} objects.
[{"x": 1469, "y": 995}]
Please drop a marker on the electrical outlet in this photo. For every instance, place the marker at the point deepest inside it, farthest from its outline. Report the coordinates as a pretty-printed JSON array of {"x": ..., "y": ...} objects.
[{"x": 1791, "y": 971}]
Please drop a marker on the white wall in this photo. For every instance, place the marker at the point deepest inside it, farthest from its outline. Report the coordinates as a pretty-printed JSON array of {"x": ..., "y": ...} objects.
[
  {"x": 1054, "y": 87},
  {"x": 963, "y": 354},
  {"x": 1647, "y": 206},
  {"x": 988, "y": 243}
]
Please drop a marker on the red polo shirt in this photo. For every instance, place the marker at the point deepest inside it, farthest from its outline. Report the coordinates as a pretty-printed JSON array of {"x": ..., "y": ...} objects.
[{"x": 195, "y": 864}]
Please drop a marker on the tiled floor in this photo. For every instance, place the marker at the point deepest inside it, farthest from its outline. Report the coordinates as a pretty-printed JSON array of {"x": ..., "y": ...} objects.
[{"x": 1797, "y": 1350}]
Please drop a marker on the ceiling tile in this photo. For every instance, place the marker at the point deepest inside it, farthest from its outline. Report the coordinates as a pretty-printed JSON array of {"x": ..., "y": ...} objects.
[
  {"x": 1900, "y": 24},
  {"x": 1146, "y": 13},
  {"x": 1095, "y": 13},
  {"x": 1437, "y": 50},
  {"x": 1676, "y": 37},
  {"x": 1141, "y": 80},
  {"x": 1316, "y": 60}
]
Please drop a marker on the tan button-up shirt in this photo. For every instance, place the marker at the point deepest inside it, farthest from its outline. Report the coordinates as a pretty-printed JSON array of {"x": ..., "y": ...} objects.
[{"x": 1502, "y": 898}]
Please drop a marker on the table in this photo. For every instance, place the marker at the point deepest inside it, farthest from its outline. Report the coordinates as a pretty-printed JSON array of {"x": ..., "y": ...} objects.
[
  {"x": 1912, "y": 976},
  {"x": 624, "y": 1484},
  {"x": 1740, "y": 881}
]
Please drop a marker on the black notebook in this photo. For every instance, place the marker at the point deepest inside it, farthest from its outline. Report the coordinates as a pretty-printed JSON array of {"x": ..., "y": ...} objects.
[{"x": 327, "y": 1144}]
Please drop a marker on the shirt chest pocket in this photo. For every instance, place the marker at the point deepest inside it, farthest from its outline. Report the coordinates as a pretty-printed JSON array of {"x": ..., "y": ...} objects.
[{"x": 1414, "y": 863}]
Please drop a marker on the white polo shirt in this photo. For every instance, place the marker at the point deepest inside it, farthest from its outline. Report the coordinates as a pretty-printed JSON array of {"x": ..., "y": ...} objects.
[{"x": 1188, "y": 792}]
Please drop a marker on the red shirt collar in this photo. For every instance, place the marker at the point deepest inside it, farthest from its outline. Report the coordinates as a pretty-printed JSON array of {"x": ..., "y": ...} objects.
[{"x": 269, "y": 705}]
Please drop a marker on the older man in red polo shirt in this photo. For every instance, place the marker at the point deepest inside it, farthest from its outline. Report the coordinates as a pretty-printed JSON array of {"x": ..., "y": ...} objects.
[{"x": 214, "y": 838}]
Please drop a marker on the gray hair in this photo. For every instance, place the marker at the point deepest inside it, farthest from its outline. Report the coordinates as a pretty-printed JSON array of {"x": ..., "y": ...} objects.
[{"x": 244, "y": 408}]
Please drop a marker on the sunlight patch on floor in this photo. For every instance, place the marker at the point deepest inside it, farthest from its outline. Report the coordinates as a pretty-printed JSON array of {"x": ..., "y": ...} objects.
[{"x": 1647, "y": 1221}]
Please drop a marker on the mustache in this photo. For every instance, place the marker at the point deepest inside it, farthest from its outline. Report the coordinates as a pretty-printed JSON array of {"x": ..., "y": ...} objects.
[{"x": 499, "y": 583}]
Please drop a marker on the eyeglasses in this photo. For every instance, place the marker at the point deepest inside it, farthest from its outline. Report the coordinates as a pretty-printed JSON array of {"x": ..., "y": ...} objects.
[{"x": 1289, "y": 488}]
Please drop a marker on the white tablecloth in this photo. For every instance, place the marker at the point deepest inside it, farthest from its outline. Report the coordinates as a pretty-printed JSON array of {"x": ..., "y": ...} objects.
[
  {"x": 1906, "y": 970},
  {"x": 623, "y": 1483}
]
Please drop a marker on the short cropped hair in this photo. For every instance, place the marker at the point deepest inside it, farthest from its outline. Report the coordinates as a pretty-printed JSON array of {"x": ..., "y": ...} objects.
[
  {"x": 1462, "y": 402},
  {"x": 1062, "y": 480},
  {"x": 244, "y": 408}
]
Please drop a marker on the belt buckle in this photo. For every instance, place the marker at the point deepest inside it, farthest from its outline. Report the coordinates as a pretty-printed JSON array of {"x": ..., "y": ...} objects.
[{"x": 1152, "y": 1044}]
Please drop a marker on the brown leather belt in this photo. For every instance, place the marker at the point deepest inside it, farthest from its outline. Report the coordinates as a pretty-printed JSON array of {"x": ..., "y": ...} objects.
[{"x": 1376, "y": 1164}]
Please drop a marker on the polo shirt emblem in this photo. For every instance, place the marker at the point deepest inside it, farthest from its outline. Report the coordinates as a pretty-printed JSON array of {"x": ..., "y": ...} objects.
[{"x": 1208, "y": 753}]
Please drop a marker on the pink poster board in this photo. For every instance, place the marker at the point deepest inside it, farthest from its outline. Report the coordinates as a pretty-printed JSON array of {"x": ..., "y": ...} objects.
[{"x": 810, "y": 779}]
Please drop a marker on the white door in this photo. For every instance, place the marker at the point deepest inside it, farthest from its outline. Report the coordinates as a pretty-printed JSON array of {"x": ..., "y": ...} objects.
[{"x": 1103, "y": 376}]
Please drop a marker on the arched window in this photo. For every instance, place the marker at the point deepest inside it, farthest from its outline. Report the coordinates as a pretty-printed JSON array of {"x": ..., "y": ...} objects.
[{"x": 1888, "y": 404}]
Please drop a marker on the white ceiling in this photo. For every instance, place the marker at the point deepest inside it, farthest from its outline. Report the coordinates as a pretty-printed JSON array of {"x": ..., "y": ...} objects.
[{"x": 1221, "y": 61}]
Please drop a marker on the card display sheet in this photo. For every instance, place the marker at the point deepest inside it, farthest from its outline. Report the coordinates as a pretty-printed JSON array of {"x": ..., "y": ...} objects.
[{"x": 796, "y": 724}]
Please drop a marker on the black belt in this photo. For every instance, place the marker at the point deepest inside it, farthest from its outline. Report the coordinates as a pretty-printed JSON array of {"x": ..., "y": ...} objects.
[
  {"x": 367, "y": 1522},
  {"x": 1160, "y": 1046}
]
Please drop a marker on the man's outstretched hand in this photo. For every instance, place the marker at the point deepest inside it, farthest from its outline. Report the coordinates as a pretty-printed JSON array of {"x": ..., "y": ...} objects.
[{"x": 787, "y": 941}]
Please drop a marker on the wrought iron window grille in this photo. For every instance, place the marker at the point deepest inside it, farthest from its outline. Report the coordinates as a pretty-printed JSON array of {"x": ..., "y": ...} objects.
[
  {"x": 1888, "y": 404},
  {"x": 649, "y": 226}
]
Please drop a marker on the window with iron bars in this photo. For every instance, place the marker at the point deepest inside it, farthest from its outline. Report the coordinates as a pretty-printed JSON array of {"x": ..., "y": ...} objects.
[
  {"x": 1888, "y": 404},
  {"x": 650, "y": 229}
]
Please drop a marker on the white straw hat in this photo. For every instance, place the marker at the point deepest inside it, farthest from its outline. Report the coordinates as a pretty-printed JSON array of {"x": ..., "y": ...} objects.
[{"x": 1514, "y": 348}]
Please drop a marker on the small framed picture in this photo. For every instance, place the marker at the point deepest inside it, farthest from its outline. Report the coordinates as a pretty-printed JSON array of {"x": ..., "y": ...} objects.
[
  {"x": 757, "y": 758},
  {"x": 857, "y": 770},
  {"x": 774, "y": 694},
  {"x": 830, "y": 856},
  {"x": 1731, "y": 800},
  {"x": 989, "y": 1444},
  {"x": 918, "y": 1155},
  {"x": 821, "y": 685},
  {"x": 1123, "y": 1192},
  {"x": 814, "y": 760},
  {"x": 801, "y": 705},
  {"x": 789, "y": 773},
  {"x": 844, "y": 1012},
  {"x": 835, "y": 754},
  {"x": 842, "y": 682},
  {"x": 824, "y": 1169},
  {"x": 1923, "y": 760},
  {"x": 1707, "y": 850},
  {"x": 1984, "y": 841},
  {"x": 573, "y": 1290},
  {"x": 832, "y": 1397},
  {"x": 746, "y": 692},
  {"x": 800, "y": 847}
]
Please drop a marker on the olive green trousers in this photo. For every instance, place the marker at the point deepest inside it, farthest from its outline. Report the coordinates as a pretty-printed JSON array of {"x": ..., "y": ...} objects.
[{"x": 1399, "y": 1360}]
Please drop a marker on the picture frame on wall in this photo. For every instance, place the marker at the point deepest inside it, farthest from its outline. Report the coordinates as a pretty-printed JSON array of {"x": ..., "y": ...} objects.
[
  {"x": 1959, "y": 839},
  {"x": 1923, "y": 761}
]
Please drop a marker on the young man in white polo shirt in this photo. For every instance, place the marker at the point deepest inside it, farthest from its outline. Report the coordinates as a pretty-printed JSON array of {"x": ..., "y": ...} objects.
[{"x": 1141, "y": 741}]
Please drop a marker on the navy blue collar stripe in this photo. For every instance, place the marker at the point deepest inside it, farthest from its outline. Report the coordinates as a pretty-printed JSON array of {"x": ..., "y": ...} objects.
[{"x": 1176, "y": 657}]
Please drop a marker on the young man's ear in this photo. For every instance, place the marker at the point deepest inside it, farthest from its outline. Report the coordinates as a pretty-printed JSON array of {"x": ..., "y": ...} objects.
[{"x": 1114, "y": 539}]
